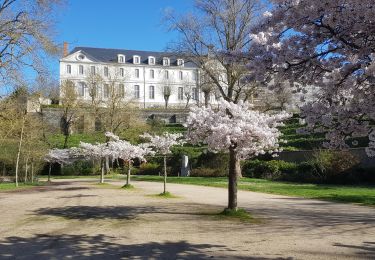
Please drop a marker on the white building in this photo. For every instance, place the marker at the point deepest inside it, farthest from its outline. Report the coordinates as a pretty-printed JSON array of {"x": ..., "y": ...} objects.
[{"x": 142, "y": 76}]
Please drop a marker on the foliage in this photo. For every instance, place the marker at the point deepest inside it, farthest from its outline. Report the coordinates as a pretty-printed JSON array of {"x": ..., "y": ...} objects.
[
  {"x": 149, "y": 169},
  {"x": 323, "y": 45},
  {"x": 273, "y": 170},
  {"x": 77, "y": 168},
  {"x": 328, "y": 167},
  {"x": 208, "y": 172}
]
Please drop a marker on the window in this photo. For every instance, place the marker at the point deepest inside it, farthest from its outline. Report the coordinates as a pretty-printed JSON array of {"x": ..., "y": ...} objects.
[
  {"x": 180, "y": 93},
  {"x": 136, "y": 59},
  {"x": 81, "y": 89},
  {"x": 69, "y": 69},
  {"x": 121, "y": 90},
  {"x": 105, "y": 71},
  {"x": 194, "y": 94},
  {"x": 180, "y": 62},
  {"x": 195, "y": 76},
  {"x": 151, "y": 60},
  {"x": 122, "y": 72},
  {"x": 80, "y": 69},
  {"x": 152, "y": 74},
  {"x": 93, "y": 70},
  {"x": 121, "y": 58},
  {"x": 181, "y": 75},
  {"x": 166, "y": 74},
  {"x": 165, "y": 61},
  {"x": 152, "y": 92},
  {"x": 106, "y": 91},
  {"x": 136, "y": 91},
  {"x": 137, "y": 73},
  {"x": 81, "y": 56}
]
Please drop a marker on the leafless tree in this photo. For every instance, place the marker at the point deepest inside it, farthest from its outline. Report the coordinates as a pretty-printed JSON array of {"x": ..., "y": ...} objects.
[
  {"x": 187, "y": 91},
  {"x": 117, "y": 105},
  {"x": 166, "y": 87},
  {"x": 26, "y": 37},
  {"x": 70, "y": 104}
]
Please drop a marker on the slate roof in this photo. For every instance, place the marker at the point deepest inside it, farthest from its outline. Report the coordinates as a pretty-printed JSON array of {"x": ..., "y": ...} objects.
[{"x": 110, "y": 55}]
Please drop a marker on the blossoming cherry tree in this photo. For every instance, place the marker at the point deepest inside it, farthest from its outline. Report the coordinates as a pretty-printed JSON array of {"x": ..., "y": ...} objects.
[
  {"x": 238, "y": 130},
  {"x": 162, "y": 145}
]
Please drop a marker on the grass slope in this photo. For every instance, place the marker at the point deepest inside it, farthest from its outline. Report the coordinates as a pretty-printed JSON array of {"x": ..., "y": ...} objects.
[{"x": 364, "y": 195}]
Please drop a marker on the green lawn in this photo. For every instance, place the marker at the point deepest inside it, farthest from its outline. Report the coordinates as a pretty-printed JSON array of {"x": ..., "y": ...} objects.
[
  {"x": 340, "y": 193},
  {"x": 21, "y": 185}
]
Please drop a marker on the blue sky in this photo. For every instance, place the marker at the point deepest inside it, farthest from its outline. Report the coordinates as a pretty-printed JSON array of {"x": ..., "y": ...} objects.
[
  {"x": 128, "y": 24},
  {"x": 124, "y": 24}
]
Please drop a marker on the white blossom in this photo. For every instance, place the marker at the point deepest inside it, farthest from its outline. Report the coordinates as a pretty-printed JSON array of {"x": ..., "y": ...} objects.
[
  {"x": 162, "y": 144},
  {"x": 324, "y": 44},
  {"x": 235, "y": 126}
]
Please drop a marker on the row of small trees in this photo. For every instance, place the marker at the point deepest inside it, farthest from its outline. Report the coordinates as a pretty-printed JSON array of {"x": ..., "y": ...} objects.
[
  {"x": 232, "y": 128},
  {"x": 116, "y": 149}
]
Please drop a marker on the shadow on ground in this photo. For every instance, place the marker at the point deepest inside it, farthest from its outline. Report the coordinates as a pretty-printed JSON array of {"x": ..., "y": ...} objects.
[
  {"x": 95, "y": 212},
  {"x": 367, "y": 249},
  {"x": 104, "y": 247}
]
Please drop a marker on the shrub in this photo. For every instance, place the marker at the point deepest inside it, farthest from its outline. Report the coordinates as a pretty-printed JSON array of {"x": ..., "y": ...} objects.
[
  {"x": 218, "y": 161},
  {"x": 333, "y": 166},
  {"x": 149, "y": 169},
  {"x": 207, "y": 172},
  {"x": 274, "y": 169}
]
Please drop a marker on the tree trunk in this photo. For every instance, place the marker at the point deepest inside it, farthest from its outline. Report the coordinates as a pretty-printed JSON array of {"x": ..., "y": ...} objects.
[
  {"x": 234, "y": 173},
  {"x": 19, "y": 150},
  {"x": 165, "y": 173},
  {"x": 107, "y": 168},
  {"x": 102, "y": 172},
  {"x": 66, "y": 141},
  {"x": 26, "y": 169},
  {"x": 32, "y": 172},
  {"x": 93, "y": 167},
  {"x": 206, "y": 99},
  {"x": 166, "y": 99},
  {"x": 49, "y": 172},
  {"x": 187, "y": 103},
  {"x": 128, "y": 175}
]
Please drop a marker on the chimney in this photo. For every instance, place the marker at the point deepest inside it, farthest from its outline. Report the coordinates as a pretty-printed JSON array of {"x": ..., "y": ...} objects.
[{"x": 66, "y": 49}]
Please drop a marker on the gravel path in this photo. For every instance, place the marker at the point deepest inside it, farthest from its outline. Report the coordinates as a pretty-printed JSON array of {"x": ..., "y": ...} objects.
[{"x": 79, "y": 219}]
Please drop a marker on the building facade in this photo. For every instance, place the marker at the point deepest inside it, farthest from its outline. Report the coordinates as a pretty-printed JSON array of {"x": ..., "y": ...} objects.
[{"x": 142, "y": 77}]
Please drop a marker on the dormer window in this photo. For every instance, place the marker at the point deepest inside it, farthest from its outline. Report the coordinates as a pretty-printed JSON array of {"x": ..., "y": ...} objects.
[
  {"x": 136, "y": 59},
  {"x": 120, "y": 58},
  {"x": 166, "y": 61},
  {"x": 151, "y": 60},
  {"x": 180, "y": 62}
]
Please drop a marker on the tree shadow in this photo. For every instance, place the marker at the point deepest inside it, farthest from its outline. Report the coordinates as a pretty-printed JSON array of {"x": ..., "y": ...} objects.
[
  {"x": 77, "y": 196},
  {"x": 74, "y": 188},
  {"x": 42, "y": 247},
  {"x": 95, "y": 212},
  {"x": 367, "y": 249}
]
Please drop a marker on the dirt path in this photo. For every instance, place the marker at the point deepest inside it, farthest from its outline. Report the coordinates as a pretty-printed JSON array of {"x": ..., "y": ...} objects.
[{"x": 79, "y": 219}]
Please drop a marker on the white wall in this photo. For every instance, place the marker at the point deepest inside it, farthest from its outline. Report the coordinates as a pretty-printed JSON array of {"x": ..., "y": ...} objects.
[{"x": 130, "y": 80}]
